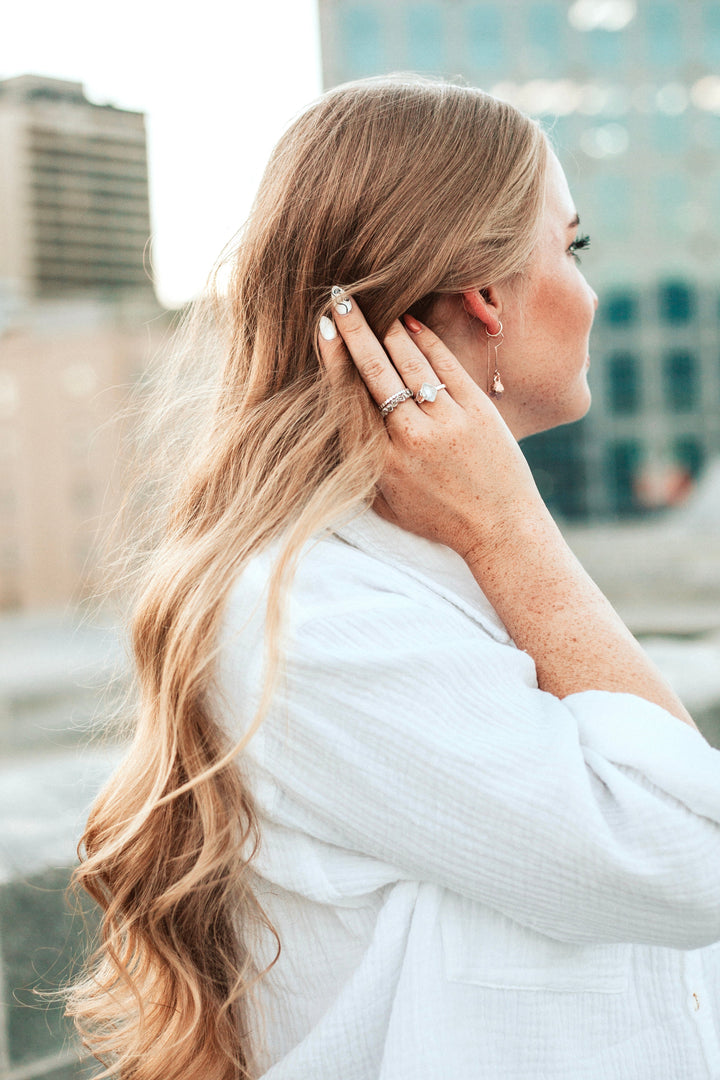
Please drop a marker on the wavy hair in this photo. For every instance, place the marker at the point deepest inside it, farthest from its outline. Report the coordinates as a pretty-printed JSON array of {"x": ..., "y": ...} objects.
[{"x": 399, "y": 189}]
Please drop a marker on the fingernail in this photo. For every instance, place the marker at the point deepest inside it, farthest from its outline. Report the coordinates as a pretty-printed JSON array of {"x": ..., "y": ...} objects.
[
  {"x": 327, "y": 328},
  {"x": 341, "y": 300},
  {"x": 412, "y": 324}
]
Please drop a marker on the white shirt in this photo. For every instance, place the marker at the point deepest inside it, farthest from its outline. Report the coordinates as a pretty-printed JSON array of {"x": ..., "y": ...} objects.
[{"x": 471, "y": 879}]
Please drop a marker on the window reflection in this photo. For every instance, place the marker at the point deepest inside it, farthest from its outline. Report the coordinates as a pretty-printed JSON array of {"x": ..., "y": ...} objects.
[
  {"x": 671, "y": 201},
  {"x": 619, "y": 308},
  {"x": 711, "y": 36},
  {"x": 680, "y": 380},
  {"x": 669, "y": 133},
  {"x": 663, "y": 33},
  {"x": 545, "y": 36},
  {"x": 484, "y": 37},
  {"x": 612, "y": 200},
  {"x": 362, "y": 41},
  {"x": 604, "y": 48},
  {"x": 424, "y": 33},
  {"x": 623, "y": 462},
  {"x": 677, "y": 302},
  {"x": 623, "y": 383},
  {"x": 690, "y": 453}
]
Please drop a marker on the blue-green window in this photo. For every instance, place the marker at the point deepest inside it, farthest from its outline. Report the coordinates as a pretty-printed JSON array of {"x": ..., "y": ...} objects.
[
  {"x": 557, "y": 462},
  {"x": 680, "y": 380},
  {"x": 605, "y": 48},
  {"x": 619, "y": 308},
  {"x": 622, "y": 464},
  {"x": 424, "y": 36},
  {"x": 484, "y": 40},
  {"x": 362, "y": 41},
  {"x": 671, "y": 200},
  {"x": 677, "y": 301},
  {"x": 690, "y": 453},
  {"x": 611, "y": 198},
  {"x": 546, "y": 28},
  {"x": 711, "y": 35},
  {"x": 669, "y": 133},
  {"x": 562, "y": 132},
  {"x": 623, "y": 383},
  {"x": 707, "y": 130},
  {"x": 663, "y": 32}
]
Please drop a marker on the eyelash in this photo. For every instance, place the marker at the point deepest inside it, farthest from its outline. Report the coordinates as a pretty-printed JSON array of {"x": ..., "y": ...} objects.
[{"x": 581, "y": 243}]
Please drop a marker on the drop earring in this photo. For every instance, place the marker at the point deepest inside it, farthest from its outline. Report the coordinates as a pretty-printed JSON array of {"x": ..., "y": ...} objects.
[{"x": 495, "y": 386}]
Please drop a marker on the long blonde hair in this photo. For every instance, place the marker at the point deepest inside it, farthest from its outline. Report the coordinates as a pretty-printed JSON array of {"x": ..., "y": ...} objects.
[{"x": 399, "y": 189}]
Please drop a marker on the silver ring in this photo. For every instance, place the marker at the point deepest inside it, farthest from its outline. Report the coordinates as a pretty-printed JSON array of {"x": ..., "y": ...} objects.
[
  {"x": 394, "y": 401},
  {"x": 428, "y": 392}
]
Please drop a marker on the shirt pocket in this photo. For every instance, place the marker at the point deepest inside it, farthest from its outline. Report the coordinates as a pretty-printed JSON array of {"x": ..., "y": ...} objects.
[{"x": 483, "y": 947}]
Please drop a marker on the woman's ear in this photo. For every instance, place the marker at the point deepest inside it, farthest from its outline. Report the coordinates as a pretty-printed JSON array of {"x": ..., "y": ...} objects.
[{"x": 483, "y": 305}]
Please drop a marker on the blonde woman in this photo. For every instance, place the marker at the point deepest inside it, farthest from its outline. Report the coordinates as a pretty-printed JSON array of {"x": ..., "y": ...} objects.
[{"x": 406, "y": 800}]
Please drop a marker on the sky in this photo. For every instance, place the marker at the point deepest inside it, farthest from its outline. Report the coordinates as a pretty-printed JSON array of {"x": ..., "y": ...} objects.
[{"x": 219, "y": 82}]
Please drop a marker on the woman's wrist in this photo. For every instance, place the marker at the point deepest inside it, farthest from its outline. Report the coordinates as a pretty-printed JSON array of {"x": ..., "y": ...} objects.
[
  {"x": 553, "y": 610},
  {"x": 498, "y": 533}
]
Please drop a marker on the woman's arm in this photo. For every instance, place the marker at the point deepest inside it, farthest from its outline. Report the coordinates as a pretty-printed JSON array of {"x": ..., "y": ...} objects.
[
  {"x": 456, "y": 474},
  {"x": 556, "y": 612}
]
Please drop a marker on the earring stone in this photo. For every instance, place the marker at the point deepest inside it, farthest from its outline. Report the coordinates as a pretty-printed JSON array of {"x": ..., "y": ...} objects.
[{"x": 497, "y": 388}]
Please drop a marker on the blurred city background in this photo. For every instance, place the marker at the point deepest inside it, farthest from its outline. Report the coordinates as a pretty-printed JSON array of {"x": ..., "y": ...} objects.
[{"x": 629, "y": 91}]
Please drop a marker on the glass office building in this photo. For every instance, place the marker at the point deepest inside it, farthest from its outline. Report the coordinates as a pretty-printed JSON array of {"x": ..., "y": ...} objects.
[
  {"x": 74, "y": 206},
  {"x": 629, "y": 91}
]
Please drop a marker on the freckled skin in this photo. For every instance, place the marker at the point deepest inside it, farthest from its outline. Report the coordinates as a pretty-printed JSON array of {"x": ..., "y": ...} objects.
[{"x": 546, "y": 317}]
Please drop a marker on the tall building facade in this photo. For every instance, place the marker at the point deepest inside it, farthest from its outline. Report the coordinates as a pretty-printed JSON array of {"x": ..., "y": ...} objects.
[
  {"x": 629, "y": 92},
  {"x": 74, "y": 207},
  {"x": 78, "y": 322}
]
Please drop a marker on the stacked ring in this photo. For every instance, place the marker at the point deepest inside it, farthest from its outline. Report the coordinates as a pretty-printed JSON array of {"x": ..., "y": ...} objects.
[{"x": 394, "y": 401}]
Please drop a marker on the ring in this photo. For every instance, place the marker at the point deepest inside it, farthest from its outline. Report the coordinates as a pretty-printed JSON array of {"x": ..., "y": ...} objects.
[
  {"x": 394, "y": 401},
  {"x": 428, "y": 392}
]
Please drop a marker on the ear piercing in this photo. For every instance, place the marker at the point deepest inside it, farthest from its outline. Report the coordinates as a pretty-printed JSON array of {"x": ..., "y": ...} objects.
[{"x": 494, "y": 385}]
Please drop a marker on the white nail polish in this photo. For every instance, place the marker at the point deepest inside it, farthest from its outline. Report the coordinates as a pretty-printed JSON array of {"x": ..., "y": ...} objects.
[
  {"x": 342, "y": 302},
  {"x": 327, "y": 328}
]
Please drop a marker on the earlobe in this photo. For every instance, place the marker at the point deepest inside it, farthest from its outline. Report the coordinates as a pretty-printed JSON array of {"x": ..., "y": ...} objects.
[{"x": 480, "y": 305}]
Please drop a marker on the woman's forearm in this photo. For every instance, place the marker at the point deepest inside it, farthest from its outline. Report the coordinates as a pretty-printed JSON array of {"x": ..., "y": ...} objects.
[{"x": 555, "y": 611}]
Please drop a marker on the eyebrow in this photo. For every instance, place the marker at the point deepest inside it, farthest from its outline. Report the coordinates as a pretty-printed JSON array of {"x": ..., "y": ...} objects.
[{"x": 575, "y": 222}]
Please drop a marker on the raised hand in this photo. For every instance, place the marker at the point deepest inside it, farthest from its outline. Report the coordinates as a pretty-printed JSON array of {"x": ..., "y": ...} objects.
[{"x": 455, "y": 472}]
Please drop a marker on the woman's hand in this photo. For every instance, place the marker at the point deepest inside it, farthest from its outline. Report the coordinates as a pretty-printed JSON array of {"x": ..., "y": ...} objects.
[{"x": 454, "y": 471}]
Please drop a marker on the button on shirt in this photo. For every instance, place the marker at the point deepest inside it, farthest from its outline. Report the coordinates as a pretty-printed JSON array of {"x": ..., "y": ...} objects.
[{"x": 471, "y": 879}]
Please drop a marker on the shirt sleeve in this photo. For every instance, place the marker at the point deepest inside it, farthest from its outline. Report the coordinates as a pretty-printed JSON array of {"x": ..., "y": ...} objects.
[{"x": 402, "y": 731}]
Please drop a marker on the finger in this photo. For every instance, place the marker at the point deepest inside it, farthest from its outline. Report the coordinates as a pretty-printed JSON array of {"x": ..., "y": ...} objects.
[
  {"x": 366, "y": 352},
  {"x": 444, "y": 364},
  {"x": 333, "y": 353},
  {"x": 413, "y": 366}
]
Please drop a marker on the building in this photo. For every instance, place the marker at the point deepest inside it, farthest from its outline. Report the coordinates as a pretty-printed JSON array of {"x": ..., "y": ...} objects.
[
  {"x": 67, "y": 372},
  {"x": 78, "y": 322},
  {"x": 74, "y": 208},
  {"x": 655, "y": 419},
  {"x": 629, "y": 91}
]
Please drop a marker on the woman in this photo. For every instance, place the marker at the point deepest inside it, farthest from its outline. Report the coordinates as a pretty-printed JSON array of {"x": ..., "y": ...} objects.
[{"x": 405, "y": 799}]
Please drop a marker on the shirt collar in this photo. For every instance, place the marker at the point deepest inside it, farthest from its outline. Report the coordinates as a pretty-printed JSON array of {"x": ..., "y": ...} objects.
[{"x": 435, "y": 565}]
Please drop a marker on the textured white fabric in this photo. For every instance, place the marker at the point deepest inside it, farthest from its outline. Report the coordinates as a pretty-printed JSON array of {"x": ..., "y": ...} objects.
[{"x": 470, "y": 877}]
